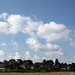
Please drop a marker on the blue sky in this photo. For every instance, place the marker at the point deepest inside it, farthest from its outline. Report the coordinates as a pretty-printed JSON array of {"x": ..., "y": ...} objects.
[{"x": 37, "y": 30}]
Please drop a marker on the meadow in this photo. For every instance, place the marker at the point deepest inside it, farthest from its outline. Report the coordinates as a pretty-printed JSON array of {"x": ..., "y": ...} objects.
[{"x": 46, "y": 73}]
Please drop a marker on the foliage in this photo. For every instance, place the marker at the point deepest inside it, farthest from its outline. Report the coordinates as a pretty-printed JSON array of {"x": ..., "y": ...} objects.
[{"x": 28, "y": 66}]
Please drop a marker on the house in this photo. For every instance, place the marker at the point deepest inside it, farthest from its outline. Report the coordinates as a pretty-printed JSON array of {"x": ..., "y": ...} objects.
[
  {"x": 22, "y": 66},
  {"x": 32, "y": 67},
  {"x": 1, "y": 67},
  {"x": 69, "y": 67},
  {"x": 38, "y": 65}
]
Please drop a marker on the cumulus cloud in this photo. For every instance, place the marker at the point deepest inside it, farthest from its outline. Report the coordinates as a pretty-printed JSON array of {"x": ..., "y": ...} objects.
[
  {"x": 3, "y": 27},
  {"x": 27, "y": 55},
  {"x": 49, "y": 31},
  {"x": 17, "y": 56},
  {"x": 68, "y": 60},
  {"x": 49, "y": 49},
  {"x": 3, "y": 16},
  {"x": 8, "y": 56},
  {"x": 36, "y": 58},
  {"x": 3, "y": 44},
  {"x": 74, "y": 33},
  {"x": 17, "y": 23},
  {"x": 72, "y": 44},
  {"x": 15, "y": 44},
  {"x": 53, "y": 32},
  {"x": 2, "y": 53},
  {"x": 4, "y": 56}
]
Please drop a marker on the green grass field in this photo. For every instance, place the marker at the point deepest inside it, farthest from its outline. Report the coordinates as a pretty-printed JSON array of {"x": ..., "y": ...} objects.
[{"x": 47, "y": 73}]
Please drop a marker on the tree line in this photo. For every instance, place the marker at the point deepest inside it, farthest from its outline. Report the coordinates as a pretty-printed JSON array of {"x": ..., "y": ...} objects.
[{"x": 28, "y": 65}]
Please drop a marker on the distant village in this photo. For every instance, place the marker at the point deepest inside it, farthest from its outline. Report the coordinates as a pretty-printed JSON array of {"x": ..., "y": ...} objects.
[{"x": 28, "y": 66}]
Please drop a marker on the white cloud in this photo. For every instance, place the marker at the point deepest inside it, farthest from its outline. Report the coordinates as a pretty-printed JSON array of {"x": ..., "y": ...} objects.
[
  {"x": 49, "y": 31},
  {"x": 31, "y": 27},
  {"x": 36, "y": 58},
  {"x": 33, "y": 43},
  {"x": 3, "y": 16},
  {"x": 74, "y": 33},
  {"x": 53, "y": 32},
  {"x": 68, "y": 60},
  {"x": 72, "y": 44},
  {"x": 3, "y": 44},
  {"x": 58, "y": 53},
  {"x": 2, "y": 53},
  {"x": 17, "y": 56},
  {"x": 15, "y": 44},
  {"x": 48, "y": 49},
  {"x": 17, "y": 23},
  {"x": 12, "y": 24},
  {"x": 3, "y": 27},
  {"x": 33, "y": 57},
  {"x": 74, "y": 57},
  {"x": 27, "y": 55},
  {"x": 9, "y": 56},
  {"x": 4, "y": 56}
]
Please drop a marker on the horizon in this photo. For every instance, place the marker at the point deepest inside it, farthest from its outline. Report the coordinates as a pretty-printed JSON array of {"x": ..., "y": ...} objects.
[{"x": 37, "y": 30}]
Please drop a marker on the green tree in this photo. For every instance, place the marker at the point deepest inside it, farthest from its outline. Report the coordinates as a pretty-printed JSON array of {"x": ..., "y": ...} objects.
[
  {"x": 19, "y": 63},
  {"x": 6, "y": 64},
  {"x": 50, "y": 62},
  {"x": 28, "y": 64},
  {"x": 57, "y": 62},
  {"x": 12, "y": 64},
  {"x": 44, "y": 62},
  {"x": 73, "y": 67}
]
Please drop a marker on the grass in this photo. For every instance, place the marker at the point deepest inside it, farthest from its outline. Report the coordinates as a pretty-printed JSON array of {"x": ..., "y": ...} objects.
[{"x": 46, "y": 73}]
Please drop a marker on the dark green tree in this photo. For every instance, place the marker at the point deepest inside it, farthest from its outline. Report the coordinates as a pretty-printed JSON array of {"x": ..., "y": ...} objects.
[
  {"x": 6, "y": 64},
  {"x": 73, "y": 66},
  {"x": 44, "y": 62},
  {"x": 28, "y": 64},
  {"x": 50, "y": 62},
  {"x": 12, "y": 64},
  {"x": 19, "y": 63},
  {"x": 57, "y": 62}
]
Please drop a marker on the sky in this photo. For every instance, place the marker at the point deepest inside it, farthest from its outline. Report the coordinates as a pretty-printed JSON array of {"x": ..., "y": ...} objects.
[{"x": 37, "y": 30}]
